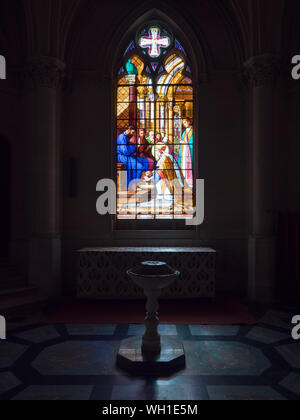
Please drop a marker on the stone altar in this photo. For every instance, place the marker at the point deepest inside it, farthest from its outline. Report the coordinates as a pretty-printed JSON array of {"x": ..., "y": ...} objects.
[{"x": 101, "y": 272}]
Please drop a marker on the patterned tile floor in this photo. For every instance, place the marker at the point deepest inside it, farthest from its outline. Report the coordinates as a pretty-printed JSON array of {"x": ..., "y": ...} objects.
[{"x": 77, "y": 362}]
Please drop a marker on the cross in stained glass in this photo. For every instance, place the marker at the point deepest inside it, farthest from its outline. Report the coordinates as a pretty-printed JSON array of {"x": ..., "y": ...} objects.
[{"x": 154, "y": 42}]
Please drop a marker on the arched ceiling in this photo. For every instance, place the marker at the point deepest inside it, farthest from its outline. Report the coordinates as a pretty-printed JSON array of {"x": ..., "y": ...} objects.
[
  {"x": 12, "y": 32},
  {"x": 105, "y": 25},
  {"x": 291, "y": 31},
  {"x": 261, "y": 24},
  {"x": 80, "y": 32},
  {"x": 48, "y": 25}
]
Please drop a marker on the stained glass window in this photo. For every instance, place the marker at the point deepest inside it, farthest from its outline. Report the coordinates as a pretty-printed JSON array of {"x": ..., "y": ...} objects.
[
  {"x": 155, "y": 145},
  {"x": 129, "y": 48},
  {"x": 179, "y": 47}
]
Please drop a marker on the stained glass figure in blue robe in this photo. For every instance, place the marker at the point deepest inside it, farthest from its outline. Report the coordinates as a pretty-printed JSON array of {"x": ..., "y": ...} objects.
[{"x": 126, "y": 154}]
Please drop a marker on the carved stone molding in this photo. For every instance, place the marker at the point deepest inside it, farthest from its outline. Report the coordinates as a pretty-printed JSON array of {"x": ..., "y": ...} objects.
[
  {"x": 45, "y": 72},
  {"x": 262, "y": 70}
]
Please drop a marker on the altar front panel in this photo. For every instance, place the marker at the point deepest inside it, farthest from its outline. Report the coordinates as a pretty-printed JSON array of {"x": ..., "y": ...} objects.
[{"x": 102, "y": 272}]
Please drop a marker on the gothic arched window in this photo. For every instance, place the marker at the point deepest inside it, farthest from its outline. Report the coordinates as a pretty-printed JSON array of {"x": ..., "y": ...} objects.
[{"x": 155, "y": 98}]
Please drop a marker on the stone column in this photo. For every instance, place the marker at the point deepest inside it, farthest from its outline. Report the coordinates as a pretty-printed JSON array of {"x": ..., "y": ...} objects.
[
  {"x": 262, "y": 72},
  {"x": 43, "y": 116},
  {"x": 189, "y": 110},
  {"x": 171, "y": 116},
  {"x": 147, "y": 114},
  {"x": 142, "y": 107},
  {"x": 152, "y": 115},
  {"x": 133, "y": 105},
  {"x": 162, "y": 118}
]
